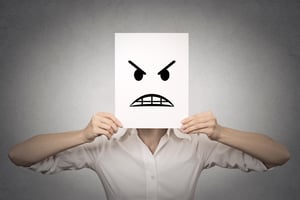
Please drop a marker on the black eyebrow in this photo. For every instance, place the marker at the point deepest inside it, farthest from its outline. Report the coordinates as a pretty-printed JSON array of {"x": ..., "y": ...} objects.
[
  {"x": 135, "y": 66},
  {"x": 166, "y": 67}
]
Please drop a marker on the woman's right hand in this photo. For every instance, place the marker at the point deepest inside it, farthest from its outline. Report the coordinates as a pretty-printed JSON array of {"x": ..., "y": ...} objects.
[{"x": 102, "y": 123}]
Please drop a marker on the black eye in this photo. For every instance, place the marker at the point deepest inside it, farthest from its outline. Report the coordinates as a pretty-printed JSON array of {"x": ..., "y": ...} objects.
[
  {"x": 138, "y": 74},
  {"x": 164, "y": 75}
]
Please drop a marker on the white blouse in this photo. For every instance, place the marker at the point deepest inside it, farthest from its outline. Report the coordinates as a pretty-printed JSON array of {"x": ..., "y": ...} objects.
[{"x": 128, "y": 169}]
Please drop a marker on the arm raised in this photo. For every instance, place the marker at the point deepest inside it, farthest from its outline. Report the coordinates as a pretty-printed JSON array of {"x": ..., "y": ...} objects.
[
  {"x": 260, "y": 146},
  {"x": 42, "y": 146}
]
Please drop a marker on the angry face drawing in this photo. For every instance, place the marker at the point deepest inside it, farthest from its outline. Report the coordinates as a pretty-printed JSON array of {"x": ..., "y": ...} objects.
[{"x": 151, "y": 99}]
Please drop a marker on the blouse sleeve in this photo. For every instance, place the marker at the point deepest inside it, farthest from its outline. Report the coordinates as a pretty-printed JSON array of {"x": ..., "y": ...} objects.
[
  {"x": 78, "y": 157},
  {"x": 218, "y": 154}
]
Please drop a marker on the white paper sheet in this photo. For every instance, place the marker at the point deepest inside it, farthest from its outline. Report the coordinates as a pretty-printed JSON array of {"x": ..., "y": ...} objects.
[{"x": 151, "y": 79}]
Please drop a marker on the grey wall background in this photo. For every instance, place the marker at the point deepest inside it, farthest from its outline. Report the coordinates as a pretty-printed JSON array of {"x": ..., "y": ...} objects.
[{"x": 57, "y": 69}]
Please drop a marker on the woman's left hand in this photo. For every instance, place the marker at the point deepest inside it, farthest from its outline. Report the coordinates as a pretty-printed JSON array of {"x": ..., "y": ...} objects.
[{"x": 202, "y": 123}]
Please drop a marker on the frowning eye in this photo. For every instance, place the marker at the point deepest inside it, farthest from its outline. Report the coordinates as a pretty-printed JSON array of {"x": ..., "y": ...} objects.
[
  {"x": 164, "y": 73},
  {"x": 139, "y": 73}
]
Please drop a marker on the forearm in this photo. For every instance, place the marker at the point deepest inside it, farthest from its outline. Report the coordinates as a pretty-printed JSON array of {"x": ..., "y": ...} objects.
[
  {"x": 259, "y": 146},
  {"x": 40, "y": 147}
]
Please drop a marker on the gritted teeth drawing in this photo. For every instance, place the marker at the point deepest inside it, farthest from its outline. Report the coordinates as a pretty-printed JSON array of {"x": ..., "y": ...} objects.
[
  {"x": 151, "y": 79},
  {"x": 151, "y": 99}
]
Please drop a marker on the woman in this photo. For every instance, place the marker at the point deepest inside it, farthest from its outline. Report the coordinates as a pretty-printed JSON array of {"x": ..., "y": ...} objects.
[{"x": 149, "y": 163}]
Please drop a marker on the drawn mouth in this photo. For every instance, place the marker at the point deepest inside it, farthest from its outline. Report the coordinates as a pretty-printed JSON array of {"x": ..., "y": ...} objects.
[{"x": 151, "y": 100}]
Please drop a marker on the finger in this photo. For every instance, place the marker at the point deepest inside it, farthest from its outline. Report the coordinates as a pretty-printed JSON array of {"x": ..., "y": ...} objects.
[
  {"x": 194, "y": 127},
  {"x": 101, "y": 131},
  {"x": 97, "y": 123},
  {"x": 191, "y": 118},
  {"x": 186, "y": 120},
  {"x": 198, "y": 118},
  {"x": 110, "y": 123},
  {"x": 205, "y": 131},
  {"x": 113, "y": 118},
  {"x": 106, "y": 127},
  {"x": 194, "y": 122}
]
